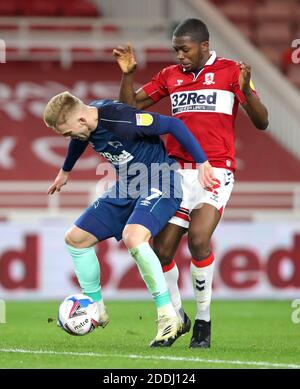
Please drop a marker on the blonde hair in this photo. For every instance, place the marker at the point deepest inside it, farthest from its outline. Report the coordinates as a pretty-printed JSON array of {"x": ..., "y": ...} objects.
[{"x": 59, "y": 107}]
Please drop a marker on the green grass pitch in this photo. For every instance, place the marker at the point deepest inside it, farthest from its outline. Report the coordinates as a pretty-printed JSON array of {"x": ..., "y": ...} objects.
[{"x": 256, "y": 334}]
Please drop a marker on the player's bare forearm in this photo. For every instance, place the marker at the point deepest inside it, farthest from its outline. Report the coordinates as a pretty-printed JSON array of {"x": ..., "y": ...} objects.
[
  {"x": 256, "y": 111},
  {"x": 125, "y": 58},
  {"x": 127, "y": 94}
]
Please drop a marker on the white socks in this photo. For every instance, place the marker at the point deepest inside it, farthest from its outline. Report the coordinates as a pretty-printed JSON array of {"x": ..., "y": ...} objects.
[
  {"x": 202, "y": 276},
  {"x": 171, "y": 274}
]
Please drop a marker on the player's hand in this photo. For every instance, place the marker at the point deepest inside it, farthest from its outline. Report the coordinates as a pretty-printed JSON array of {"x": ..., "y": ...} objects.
[
  {"x": 125, "y": 58},
  {"x": 59, "y": 181},
  {"x": 245, "y": 77},
  {"x": 206, "y": 175}
]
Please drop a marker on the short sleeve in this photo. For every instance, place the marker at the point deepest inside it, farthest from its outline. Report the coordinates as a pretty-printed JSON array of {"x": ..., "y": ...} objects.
[{"x": 157, "y": 88}]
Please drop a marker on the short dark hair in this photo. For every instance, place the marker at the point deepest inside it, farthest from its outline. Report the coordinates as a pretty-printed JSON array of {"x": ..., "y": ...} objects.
[{"x": 194, "y": 28}]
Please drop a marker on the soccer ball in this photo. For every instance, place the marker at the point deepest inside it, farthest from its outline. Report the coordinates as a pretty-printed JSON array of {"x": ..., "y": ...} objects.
[{"x": 78, "y": 314}]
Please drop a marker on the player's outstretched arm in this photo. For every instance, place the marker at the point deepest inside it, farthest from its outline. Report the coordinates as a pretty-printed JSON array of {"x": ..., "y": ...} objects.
[
  {"x": 75, "y": 150},
  {"x": 255, "y": 109},
  {"x": 125, "y": 57},
  {"x": 60, "y": 180}
]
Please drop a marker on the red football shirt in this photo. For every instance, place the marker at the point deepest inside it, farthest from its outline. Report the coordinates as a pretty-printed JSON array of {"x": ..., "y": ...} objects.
[{"x": 207, "y": 103}]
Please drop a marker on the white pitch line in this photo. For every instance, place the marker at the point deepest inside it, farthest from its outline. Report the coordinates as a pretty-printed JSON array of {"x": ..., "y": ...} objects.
[{"x": 167, "y": 358}]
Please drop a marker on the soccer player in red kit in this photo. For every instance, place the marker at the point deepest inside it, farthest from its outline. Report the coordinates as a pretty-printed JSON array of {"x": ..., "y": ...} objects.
[{"x": 205, "y": 91}]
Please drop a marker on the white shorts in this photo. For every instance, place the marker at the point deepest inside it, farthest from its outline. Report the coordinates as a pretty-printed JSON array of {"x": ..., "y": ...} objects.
[{"x": 194, "y": 195}]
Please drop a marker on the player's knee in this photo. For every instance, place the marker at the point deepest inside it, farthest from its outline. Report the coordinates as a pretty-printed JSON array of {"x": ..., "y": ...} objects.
[
  {"x": 76, "y": 237},
  {"x": 134, "y": 235},
  {"x": 199, "y": 245},
  {"x": 163, "y": 253}
]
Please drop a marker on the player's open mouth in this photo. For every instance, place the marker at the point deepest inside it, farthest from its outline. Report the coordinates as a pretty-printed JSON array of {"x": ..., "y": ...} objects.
[{"x": 186, "y": 66}]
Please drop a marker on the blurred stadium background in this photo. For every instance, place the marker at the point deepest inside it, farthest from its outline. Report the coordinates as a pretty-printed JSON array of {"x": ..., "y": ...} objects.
[{"x": 57, "y": 45}]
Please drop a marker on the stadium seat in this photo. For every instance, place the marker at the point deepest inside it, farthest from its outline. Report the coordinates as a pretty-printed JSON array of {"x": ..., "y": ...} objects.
[
  {"x": 40, "y": 8},
  {"x": 237, "y": 11},
  {"x": 273, "y": 33},
  {"x": 274, "y": 10},
  {"x": 110, "y": 28},
  {"x": 65, "y": 28},
  {"x": 246, "y": 29},
  {"x": 8, "y": 27},
  {"x": 273, "y": 54},
  {"x": 293, "y": 74},
  {"x": 79, "y": 8},
  {"x": 297, "y": 34},
  {"x": 43, "y": 53},
  {"x": 82, "y": 51},
  {"x": 11, "y": 52},
  {"x": 9, "y": 8},
  {"x": 222, "y": 2},
  {"x": 165, "y": 54},
  {"x": 296, "y": 15}
]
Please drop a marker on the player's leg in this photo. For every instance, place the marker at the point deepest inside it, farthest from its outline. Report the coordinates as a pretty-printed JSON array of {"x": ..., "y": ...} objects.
[
  {"x": 165, "y": 245},
  {"x": 136, "y": 238},
  {"x": 202, "y": 225},
  {"x": 80, "y": 241},
  {"x": 204, "y": 220},
  {"x": 149, "y": 216}
]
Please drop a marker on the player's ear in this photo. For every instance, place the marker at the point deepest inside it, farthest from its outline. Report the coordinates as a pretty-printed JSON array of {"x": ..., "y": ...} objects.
[
  {"x": 205, "y": 46},
  {"x": 82, "y": 120}
]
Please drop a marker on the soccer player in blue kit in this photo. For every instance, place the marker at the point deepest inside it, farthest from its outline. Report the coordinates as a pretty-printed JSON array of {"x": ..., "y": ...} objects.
[{"x": 125, "y": 136}]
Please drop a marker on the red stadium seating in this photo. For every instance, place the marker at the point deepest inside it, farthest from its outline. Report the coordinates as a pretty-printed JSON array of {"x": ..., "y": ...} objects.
[
  {"x": 297, "y": 15},
  {"x": 80, "y": 8},
  {"x": 40, "y": 8},
  {"x": 41, "y": 52},
  {"x": 9, "y": 8},
  {"x": 297, "y": 33},
  {"x": 293, "y": 74},
  {"x": 48, "y": 8},
  {"x": 269, "y": 24},
  {"x": 274, "y": 10},
  {"x": 28, "y": 86},
  {"x": 237, "y": 11},
  {"x": 246, "y": 29},
  {"x": 49, "y": 27},
  {"x": 273, "y": 33},
  {"x": 274, "y": 54}
]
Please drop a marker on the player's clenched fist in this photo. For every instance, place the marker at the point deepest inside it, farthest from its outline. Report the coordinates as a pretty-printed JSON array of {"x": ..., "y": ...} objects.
[
  {"x": 125, "y": 58},
  {"x": 59, "y": 181}
]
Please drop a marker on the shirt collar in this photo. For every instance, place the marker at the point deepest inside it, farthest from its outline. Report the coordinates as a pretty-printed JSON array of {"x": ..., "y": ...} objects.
[
  {"x": 209, "y": 62},
  {"x": 211, "y": 59}
]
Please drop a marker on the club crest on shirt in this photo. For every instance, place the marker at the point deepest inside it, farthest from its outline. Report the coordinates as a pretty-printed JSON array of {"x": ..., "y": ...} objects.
[
  {"x": 178, "y": 83},
  {"x": 144, "y": 119},
  {"x": 209, "y": 79},
  {"x": 115, "y": 144}
]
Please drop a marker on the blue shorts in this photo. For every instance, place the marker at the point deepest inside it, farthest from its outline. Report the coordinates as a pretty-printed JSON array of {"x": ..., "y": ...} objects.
[{"x": 109, "y": 214}]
